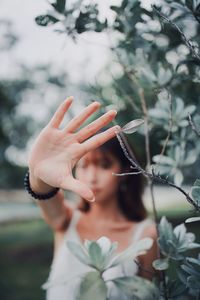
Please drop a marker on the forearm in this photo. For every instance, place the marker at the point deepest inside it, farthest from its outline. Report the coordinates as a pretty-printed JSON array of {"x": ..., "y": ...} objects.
[{"x": 54, "y": 211}]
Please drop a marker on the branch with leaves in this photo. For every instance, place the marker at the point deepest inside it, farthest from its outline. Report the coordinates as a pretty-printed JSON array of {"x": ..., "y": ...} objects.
[{"x": 155, "y": 177}]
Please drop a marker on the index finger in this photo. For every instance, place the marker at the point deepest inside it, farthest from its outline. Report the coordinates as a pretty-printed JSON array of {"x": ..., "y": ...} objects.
[{"x": 60, "y": 112}]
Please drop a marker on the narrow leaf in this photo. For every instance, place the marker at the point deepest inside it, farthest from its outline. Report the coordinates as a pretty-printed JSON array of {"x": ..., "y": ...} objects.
[{"x": 132, "y": 126}]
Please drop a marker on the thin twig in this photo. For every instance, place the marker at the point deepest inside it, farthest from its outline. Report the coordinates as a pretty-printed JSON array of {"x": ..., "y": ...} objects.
[
  {"x": 169, "y": 131},
  {"x": 125, "y": 174},
  {"x": 194, "y": 127},
  {"x": 146, "y": 121},
  {"x": 152, "y": 175},
  {"x": 187, "y": 42}
]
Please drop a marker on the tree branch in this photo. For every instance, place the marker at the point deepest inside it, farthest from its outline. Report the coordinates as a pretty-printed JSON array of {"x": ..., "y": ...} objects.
[
  {"x": 152, "y": 175},
  {"x": 187, "y": 42}
]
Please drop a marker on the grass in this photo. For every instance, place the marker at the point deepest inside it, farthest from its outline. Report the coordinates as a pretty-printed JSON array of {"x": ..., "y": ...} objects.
[
  {"x": 25, "y": 257},
  {"x": 26, "y": 250}
]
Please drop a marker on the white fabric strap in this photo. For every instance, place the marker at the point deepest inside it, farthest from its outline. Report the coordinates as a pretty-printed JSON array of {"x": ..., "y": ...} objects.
[
  {"x": 140, "y": 228},
  {"x": 74, "y": 220}
]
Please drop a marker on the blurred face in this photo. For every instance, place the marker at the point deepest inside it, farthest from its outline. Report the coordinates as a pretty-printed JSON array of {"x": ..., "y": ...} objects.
[{"x": 95, "y": 169}]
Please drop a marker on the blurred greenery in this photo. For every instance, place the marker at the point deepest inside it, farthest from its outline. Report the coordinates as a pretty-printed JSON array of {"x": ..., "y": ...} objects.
[
  {"x": 147, "y": 54},
  {"x": 25, "y": 256},
  {"x": 22, "y": 95}
]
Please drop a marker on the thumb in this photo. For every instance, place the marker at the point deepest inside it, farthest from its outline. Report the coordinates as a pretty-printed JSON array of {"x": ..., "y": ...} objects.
[{"x": 79, "y": 188}]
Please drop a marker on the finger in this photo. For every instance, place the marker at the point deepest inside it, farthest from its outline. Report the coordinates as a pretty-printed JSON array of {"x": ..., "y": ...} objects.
[
  {"x": 79, "y": 188},
  {"x": 76, "y": 122},
  {"x": 92, "y": 128},
  {"x": 60, "y": 112},
  {"x": 100, "y": 138}
]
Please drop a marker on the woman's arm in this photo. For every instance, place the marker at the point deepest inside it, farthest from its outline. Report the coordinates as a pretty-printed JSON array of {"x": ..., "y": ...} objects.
[
  {"x": 54, "y": 210},
  {"x": 55, "y": 153}
]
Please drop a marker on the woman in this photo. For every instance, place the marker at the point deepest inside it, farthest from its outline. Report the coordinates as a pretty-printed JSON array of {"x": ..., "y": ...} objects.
[{"x": 110, "y": 206}]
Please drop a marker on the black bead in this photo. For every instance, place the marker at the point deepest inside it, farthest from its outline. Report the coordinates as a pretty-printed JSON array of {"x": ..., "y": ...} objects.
[{"x": 38, "y": 196}]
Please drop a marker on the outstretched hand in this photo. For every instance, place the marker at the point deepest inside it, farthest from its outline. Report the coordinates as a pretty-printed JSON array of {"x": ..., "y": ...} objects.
[{"x": 56, "y": 151}]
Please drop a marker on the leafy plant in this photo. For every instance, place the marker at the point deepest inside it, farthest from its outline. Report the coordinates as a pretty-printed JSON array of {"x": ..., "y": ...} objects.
[{"x": 100, "y": 256}]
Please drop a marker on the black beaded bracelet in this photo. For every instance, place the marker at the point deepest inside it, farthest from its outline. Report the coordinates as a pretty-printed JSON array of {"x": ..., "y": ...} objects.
[{"x": 38, "y": 196}]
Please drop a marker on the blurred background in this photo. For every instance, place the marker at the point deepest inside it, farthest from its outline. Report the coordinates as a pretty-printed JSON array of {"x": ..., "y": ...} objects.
[{"x": 40, "y": 67}]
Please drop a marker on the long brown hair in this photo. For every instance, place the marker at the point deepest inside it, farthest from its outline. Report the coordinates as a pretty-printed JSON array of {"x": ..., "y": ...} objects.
[{"x": 131, "y": 186}]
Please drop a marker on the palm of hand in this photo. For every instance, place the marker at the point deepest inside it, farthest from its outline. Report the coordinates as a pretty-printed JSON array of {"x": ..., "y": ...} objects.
[
  {"x": 55, "y": 151},
  {"x": 54, "y": 155}
]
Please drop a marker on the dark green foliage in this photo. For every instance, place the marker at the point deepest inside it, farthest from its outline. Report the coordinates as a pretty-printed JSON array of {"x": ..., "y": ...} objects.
[
  {"x": 59, "y": 5},
  {"x": 26, "y": 250},
  {"x": 45, "y": 20}
]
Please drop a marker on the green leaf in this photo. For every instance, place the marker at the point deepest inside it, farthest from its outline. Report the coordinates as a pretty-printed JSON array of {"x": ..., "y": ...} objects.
[
  {"x": 193, "y": 260},
  {"x": 95, "y": 254},
  {"x": 137, "y": 286},
  {"x": 163, "y": 160},
  {"x": 166, "y": 237},
  {"x": 133, "y": 251},
  {"x": 175, "y": 288},
  {"x": 196, "y": 191},
  {"x": 178, "y": 178},
  {"x": 158, "y": 114},
  {"x": 46, "y": 20},
  {"x": 92, "y": 287},
  {"x": 161, "y": 264},
  {"x": 180, "y": 231},
  {"x": 164, "y": 76},
  {"x": 194, "y": 219},
  {"x": 179, "y": 106},
  {"x": 78, "y": 251},
  {"x": 190, "y": 109},
  {"x": 193, "y": 283},
  {"x": 191, "y": 270},
  {"x": 59, "y": 5},
  {"x": 132, "y": 126}
]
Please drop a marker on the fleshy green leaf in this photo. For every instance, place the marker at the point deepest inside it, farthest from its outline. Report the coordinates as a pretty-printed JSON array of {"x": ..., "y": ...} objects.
[
  {"x": 133, "y": 251},
  {"x": 92, "y": 287},
  {"x": 78, "y": 251},
  {"x": 95, "y": 254},
  {"x": 138, "y": 287},
  {"x": 161, "y": 264}
]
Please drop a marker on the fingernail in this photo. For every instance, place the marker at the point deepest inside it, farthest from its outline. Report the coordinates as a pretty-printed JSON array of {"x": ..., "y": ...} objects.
[
  {"x": 113, "y": 111},
  {"x": 92, "y": 200},
  {"x": 70, "y": 98},
  {"x": 96, "y": 103},
  {"x": 117, "y": 128}
]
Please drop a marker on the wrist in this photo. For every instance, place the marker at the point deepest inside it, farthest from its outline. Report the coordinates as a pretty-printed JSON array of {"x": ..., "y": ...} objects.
[{"x": 37, "y": 185}]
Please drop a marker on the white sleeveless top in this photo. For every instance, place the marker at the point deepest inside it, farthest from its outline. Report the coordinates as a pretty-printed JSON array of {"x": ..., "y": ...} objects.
[{"x": 66, "y": 269}]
